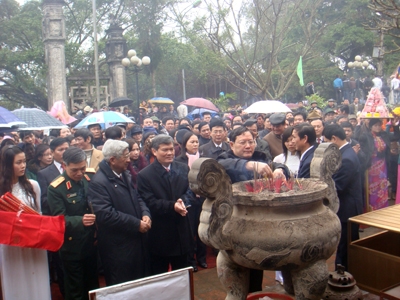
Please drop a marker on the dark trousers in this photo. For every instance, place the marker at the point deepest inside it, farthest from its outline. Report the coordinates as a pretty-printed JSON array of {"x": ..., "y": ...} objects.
[
  {"x": 338, "y": 96},
  {"x": 160, "y": 264},
  {"x": 56, "y": 269},
  {"x": 255, "y": 281},
  {"x": 341, "y": 253},
  {"x": 199, "y": 249},
  {"x": 80, "y": 277}
]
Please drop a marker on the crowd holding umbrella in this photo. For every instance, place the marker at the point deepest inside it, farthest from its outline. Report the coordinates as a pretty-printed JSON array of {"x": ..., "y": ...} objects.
[
  {"x": 8, "y": 119},
  {"x": 267, "y": 107},
  {"x": 198, "y": 112},
  {"x": 104, "y": 118},
  {"x": 120, "y": 101},
  {"x": 37, "y": 119},
  {"x": 161, "y": 100},
  {"x": 200, "y": 103}
]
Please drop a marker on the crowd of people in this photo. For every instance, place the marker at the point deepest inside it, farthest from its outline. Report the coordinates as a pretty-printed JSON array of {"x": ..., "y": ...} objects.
[
  {"x": 124, "y": 190},
  {"x": 350, "y": 87}
]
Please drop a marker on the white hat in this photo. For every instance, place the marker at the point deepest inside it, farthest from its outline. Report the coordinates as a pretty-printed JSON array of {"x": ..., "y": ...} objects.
[{"x": 88, "y": 109}]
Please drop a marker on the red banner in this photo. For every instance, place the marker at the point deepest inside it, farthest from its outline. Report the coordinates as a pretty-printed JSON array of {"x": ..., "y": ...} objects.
[{"x": 32, "y": 231}]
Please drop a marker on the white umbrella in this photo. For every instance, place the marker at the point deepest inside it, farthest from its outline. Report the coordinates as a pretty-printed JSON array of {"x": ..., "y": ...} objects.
[
  {"x": 267, "y": 107},
  {"x": 104, "y": 118}
]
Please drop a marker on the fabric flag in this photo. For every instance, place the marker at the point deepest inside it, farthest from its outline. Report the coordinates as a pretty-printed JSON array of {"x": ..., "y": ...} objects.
[
  {"x": 300, "y": 71},
  {"x": 32, "y": 231}
]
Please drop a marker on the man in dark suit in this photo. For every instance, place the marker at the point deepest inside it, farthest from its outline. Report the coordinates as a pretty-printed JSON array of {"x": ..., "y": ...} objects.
[
  {"x": 47, "y": 175},
  {"x": 349, "y": 130},
  {"x": 217, "y": 145},
  {"x": 164, "y": 186},
  {"x": 304, "y": 137},
  {"x": 204, "y": 131},
  {"x": 44, "y": 178},
  {"x": 348, "y": 186}
]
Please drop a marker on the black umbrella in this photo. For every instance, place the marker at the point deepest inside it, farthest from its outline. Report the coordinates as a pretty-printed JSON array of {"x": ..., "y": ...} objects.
[{"x": 120, "y": 101}]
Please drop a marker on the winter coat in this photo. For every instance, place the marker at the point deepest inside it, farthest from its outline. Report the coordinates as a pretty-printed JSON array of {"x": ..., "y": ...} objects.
[
  {"x": 170, "y": 234},
  {"x": 119, "y": 211}
]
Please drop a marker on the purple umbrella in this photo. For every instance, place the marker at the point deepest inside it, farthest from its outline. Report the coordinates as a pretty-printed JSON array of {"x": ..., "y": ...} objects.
[{"x": 8, "y": 119}]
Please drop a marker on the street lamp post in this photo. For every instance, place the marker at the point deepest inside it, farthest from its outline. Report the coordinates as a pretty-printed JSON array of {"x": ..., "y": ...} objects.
[
  {"x": 137, "y": 63},
  {"x": 358, "y": 63}
]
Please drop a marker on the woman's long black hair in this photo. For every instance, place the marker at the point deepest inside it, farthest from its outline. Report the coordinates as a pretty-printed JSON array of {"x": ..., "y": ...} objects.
[{"x": 8, "y": 154}]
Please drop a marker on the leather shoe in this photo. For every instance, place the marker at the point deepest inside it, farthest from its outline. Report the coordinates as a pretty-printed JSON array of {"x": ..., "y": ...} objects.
[
  {"x": 195, "y": 269},
  {"x": 203, "y": 265}
]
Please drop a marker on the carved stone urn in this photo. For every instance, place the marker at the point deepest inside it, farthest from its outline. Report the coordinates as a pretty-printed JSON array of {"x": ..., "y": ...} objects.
[{"x": 294, "y": 231}]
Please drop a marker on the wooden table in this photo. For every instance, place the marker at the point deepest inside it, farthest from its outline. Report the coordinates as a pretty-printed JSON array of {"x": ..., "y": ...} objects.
[{"x": 374, "y": 261}]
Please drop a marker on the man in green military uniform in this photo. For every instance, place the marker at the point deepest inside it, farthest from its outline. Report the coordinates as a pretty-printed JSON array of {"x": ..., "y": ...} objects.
[{"x": 67, "y": 195}]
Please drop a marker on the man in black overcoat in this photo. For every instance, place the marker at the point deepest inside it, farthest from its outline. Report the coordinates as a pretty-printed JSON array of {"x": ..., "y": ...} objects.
[
  {"x": 348, "y": 186},
  {"x": 123, "y": 219},
  {"x": 164, "y": 186}
]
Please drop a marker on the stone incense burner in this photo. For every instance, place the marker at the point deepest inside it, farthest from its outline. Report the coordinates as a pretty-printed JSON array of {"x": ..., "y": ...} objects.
[{"x": 294, "y": 232}]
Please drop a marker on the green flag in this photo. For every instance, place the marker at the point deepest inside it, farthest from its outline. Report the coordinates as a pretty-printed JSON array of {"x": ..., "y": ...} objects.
[{"x": 300, "y": 71}]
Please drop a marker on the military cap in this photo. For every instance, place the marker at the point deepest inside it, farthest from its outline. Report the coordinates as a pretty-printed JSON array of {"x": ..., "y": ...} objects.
[
  {"x": 329, "y": 111},
  {"x": 277, "y": 118},
  {"x": 314, "y": 102},
  {"x": 331, "y": 100},
  {"x": 352, "y": 117},
  {"x": 155, "y": 119},
  {"x": 314, "y": 115},
  {"x": 250, "y": 122}
]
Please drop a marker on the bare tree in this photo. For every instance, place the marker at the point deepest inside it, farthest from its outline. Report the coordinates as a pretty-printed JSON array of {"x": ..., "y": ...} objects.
[
  {"x": 386, "y": 21},
  {"x": 262, "y": 40}
]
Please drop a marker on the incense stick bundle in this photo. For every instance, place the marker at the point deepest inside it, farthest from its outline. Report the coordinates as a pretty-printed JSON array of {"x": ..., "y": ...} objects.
[{"x": 8, "y": 202}]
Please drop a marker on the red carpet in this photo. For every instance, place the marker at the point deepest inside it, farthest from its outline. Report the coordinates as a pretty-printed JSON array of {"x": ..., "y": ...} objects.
[{"x": 211, "y": 258}]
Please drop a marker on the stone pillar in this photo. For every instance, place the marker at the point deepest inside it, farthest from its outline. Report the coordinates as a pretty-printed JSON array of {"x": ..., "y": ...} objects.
[
  {"x": 53, "y": 28},
  {"x": 115, "y": 52}
]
